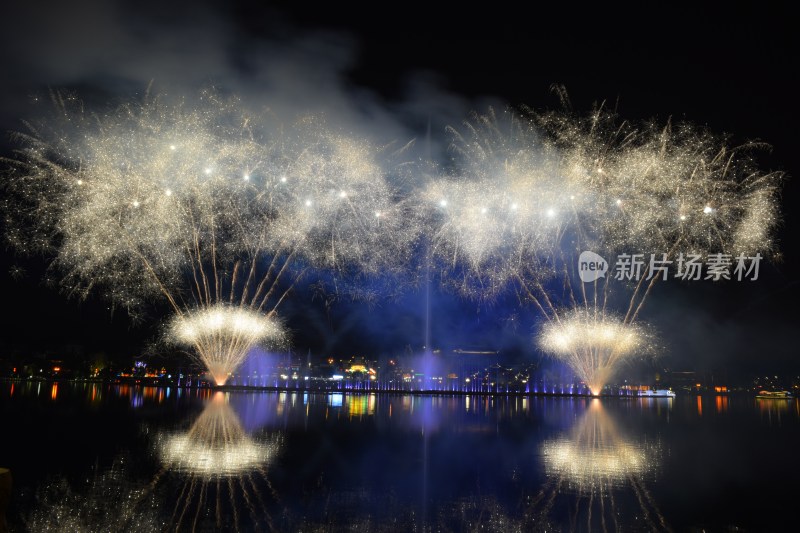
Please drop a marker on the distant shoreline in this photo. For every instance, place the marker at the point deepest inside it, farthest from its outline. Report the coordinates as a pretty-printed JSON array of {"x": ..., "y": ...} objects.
[{"x": 157, "y": 382}]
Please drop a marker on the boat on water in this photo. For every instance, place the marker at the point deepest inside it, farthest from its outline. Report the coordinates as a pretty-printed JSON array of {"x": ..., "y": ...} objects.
[
  {"x": 656, "y": 393},
  {"x": 775, "y": 395}
]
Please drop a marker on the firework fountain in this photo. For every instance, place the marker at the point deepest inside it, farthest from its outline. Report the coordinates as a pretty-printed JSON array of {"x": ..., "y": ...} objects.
[
  {"x": 528, "y": 192},
  {"x": 203, "y": 206}
]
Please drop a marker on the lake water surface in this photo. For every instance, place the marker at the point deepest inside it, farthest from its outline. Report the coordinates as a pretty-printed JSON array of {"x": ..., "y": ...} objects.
[{"x": 94, "y": 457}]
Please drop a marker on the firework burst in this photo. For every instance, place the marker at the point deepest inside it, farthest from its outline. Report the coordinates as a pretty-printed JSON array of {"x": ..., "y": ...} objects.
[
  {"x": 528, "y": 192},
  {"x": 201, "y": 205},
  {"x": 205, "y": 206}
]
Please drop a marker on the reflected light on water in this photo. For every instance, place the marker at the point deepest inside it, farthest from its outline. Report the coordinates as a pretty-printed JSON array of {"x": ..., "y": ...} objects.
[
  {"x": 592, "y": 467},
  {"x": 595, "y": 453},
  {"x": 773, "y": 410},
  {"x": 221, "y": 472},
  {"x": 360, "y": 405},
  {"x": 335, "y": 399},
  {"x": 721, "y": 404},
  {"x": 587, "y": 466},
  {"x": 216, "y": 445}
]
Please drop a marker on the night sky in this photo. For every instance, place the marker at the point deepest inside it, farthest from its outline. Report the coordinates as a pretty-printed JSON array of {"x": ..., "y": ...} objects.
[{"x": 391, "y": 71}]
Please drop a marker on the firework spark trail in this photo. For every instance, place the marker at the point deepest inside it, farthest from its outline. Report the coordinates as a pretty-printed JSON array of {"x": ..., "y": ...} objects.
[
  {"x": 528, "y": 192},
  {"x": 202, "y": 205}
]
